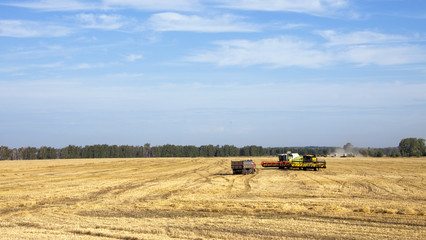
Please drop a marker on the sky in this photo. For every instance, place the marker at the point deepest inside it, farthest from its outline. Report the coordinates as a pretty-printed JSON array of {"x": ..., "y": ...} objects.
[{"x": 194, "y": 72}]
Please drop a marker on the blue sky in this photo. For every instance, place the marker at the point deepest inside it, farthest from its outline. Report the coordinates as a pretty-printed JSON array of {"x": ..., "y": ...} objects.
[{"x": 195, "y": 72}]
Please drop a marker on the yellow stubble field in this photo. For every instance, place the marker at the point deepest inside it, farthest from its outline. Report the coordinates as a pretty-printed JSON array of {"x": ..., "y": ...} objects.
[{"x": 199, "y": 198}]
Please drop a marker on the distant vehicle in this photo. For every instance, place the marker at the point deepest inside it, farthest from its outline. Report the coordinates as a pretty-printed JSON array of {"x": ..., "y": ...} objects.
[
  {"x": 294, "y": 161},
  {"x": 243, "y": 167}
]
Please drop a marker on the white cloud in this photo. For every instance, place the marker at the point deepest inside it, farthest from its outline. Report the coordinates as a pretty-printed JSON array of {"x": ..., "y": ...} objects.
[
  {"x": 170, "y": 21},
  {"x": 133, "y": 57},
  {"x": 276, "y": 52},
  {"x": 360, "y": 37},
  {"x": 85, "y": 66},
  {"x": 21, "y": 68},
  {"x": 314, "y": 7},
  {"x": 54, "y": 5},
  {"x": 80, "y": 5},
  {"x": 362, "y": 48},
  {"x": 124, "y": 75},
  {"x": 156, "y": 5},
  {"x": 48, "y": 65},
  {"x": 367, "y": 47},
  {"x": 101, "y": 21},
  {"x": 293, "y": 25},
  {"x": 22, "y": 29},
  {"x": 385, "y": 55}
]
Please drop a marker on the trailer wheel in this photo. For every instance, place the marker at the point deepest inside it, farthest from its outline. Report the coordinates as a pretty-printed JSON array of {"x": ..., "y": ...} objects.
[{"x": 316, "y": 169}]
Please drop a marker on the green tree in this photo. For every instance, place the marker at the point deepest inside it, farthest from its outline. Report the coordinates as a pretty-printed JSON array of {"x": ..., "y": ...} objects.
[
  {"x": 71, "y": 151},
  {"x": 363, "y": 152},
  {"x": 5, "y": 153},
  {"x": 113, "y": 151},
  {"x": 190, "y": 151},
  {"x": 46, "y": 153},
  {"x": 27, "y": 153},
  {"x": 412, "y": 147},
  {"x": 245, "y": 151},
  {"x": 255, "y": 150},
  {"x": 147, "y": 150},
  {"x": 379, "y": 153}
]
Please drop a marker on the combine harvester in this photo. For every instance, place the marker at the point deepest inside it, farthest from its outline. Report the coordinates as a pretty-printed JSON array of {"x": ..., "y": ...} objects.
[{"x": 294, "y": 161}]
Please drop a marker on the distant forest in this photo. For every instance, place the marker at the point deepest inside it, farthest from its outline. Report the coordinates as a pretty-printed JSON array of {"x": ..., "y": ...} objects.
[
  {"x": 146, "y": 151},
  {"x": 168, "y": 150},
  {"x": 407, "y": 147}
]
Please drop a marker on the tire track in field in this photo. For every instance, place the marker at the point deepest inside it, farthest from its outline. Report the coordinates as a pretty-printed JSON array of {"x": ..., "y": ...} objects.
[
  {"x": 374, "y": 189},
  {"x": 201, "y": 175},
  {"x": 247, "y": 179},
  {"x": 102, "y": 235},
  {"x": 194, "y": 179},
  {"x": 204, "y": 176},
  {"x": 311, "y": 183},
  {"x": 230, "y": 185},
  {"x": 340, "y": 184},
  {"x": 379, "y": 188},
  {"x": 409, "y": 183},
  {"x": 121, "y": 188},
  {"x": 361, "y": 188},
  {"x": 323, "y": 180}
]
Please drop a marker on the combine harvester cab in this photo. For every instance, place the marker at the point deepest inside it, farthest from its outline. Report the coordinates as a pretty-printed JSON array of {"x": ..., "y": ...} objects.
[
  {"x": 243, "y": 167},
  {"x": 295, "y": 161}
]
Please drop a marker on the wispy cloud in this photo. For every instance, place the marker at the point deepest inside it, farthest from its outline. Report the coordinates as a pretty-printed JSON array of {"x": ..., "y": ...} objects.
[
  {"x": 361, "y": 48},
  {"x": 156, "y": 5},
  {"x": 360, "y": 37},
  {"x": 276, "y": 52},
  {"x": 101, "y": 21},
  {"x": 385, "y": 55},
  {"x": 313, "y": 7},
  {"x": 21, "y": 68},
  {"x": 293, "y": 25},
  {"x": 53, "y": 66},
  {"x": 23, "y": 29},
  {"x": 85, "y": 66},
  {"x": 367, "y": 47},
  {"x": 85, "y": 5},
  {"x": 170, "y": 21},
  {"x": 133, "y": 57},
  {"x": 54, "y": 5}
]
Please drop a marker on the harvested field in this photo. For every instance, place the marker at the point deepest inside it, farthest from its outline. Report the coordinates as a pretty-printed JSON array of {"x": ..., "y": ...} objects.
[{"x": 199, "y": 198}]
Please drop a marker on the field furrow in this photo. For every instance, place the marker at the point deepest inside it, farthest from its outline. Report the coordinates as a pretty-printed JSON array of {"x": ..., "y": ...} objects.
[{"x": 199, "y": 198}]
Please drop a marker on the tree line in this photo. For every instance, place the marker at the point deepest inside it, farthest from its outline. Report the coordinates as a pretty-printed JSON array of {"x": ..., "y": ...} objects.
[
  {"x": 407, "y": 147},
  {"x": 146, "y": 151}
]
